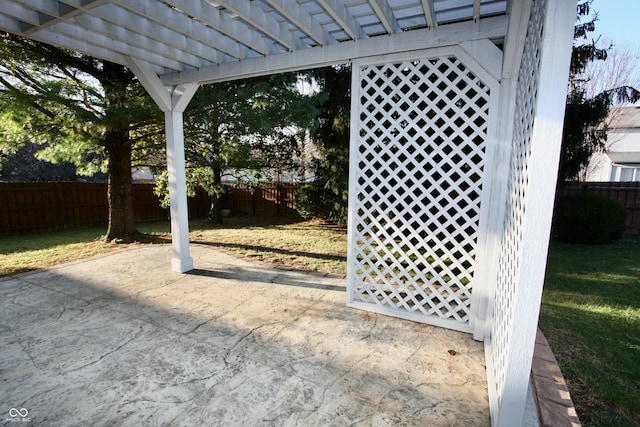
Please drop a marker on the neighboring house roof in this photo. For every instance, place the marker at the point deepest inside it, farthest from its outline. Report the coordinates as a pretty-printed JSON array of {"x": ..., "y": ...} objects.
[
  {"x": 624, "y": 135},
  {"x": 624, "y": 118},
  {"x": 625, "y": 157}
]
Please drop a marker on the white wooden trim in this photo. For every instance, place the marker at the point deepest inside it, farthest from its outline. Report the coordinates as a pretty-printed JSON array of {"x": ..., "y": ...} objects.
[
  {"x": 172, "y": 101},
  {"x": 543, "y": 168},
  {"x": 487, "y": 55},
  {"x": 445, "y": 35},
  {"x": 150, "y": 81},
  {"x": 435, "y": 321},
  {"x": 181, "y": 261},
  {"x": 515, "y": 39}
]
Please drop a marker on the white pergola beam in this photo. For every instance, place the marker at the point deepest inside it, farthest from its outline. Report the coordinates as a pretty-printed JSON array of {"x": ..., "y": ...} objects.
[
  {"x": 303, "y": 21},
  {"x": 342, "y": 18},
  {"x": 21, "y": 12},
  {"x": 51, "y": 12},
  {"x": 172, "y": 39},
  {"x": 488, "y": 28},
  {"x": 263, "y": 22},
  {"x": 172, "y": 101},
  {"x": 384, "y": 13},
  {"x": 118, "y": 32},
  {"x": 71, "y": 43},
  {"x": 223, "y": 23},
  {"x": 429, "y": 13},
  {"x": 182, "y": 24},
  {"x": 77, "y": 33},
  {"x": 150, "y": 81},
  {"x": 515, "y": 38}
]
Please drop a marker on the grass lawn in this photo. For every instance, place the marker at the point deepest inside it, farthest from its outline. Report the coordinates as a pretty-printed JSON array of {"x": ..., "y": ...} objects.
[
  {"x": 590, "y": 312},
  {"x": 34, "y": 251},
  {"x": 591, "y": 316},
  {"x": 309, "y": 245}
]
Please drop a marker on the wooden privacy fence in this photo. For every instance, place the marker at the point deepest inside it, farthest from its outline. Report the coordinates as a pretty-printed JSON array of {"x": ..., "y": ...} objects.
[
  {"x": 275, "y": 199},
  {"x": 627, "y": 193},
  {"x": 46, "y": 206}
]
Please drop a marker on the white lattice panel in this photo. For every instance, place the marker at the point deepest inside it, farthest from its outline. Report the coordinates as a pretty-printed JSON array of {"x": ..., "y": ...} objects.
[
  {"x": 417, "y": 176},
  {"x": 511, "y": 248}
]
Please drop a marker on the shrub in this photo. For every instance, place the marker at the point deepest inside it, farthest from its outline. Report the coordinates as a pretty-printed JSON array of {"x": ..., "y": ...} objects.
[
  {"x": 315, "y": 200},
  {"x": 308, "y": 201},
  {"x": 588, "y": 218}
]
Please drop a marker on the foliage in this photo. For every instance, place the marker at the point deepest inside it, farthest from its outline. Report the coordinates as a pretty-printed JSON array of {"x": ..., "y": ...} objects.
[
  {"x": 309, "y": 201},
  {"x": 80, "y": 109},
  {"x": 590, "y": 314},
  {"x": 242, "y": 127},
  {"x": 585, "y": 129},
  {"x": 24, "y": 166},
  {"x": 332, "y": 137},
  {"x": 588, "y": 218}
]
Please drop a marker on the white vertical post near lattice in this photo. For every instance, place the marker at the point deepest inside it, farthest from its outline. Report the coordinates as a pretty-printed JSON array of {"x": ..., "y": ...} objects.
[
  {"x": 421, "y": 141},
  {"x": 172, "y": 101},
  {"x": 537, "y": 131}
]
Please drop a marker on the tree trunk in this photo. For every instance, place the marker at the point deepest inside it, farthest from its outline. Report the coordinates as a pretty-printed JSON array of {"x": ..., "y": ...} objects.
[
  {"x": 117, "y": 143},
  {"x": 215, "y": 213},
  {"x": 120, "y": 190}
]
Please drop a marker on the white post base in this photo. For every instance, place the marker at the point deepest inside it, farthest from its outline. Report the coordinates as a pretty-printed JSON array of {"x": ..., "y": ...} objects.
[{"x": 182, "y": 265}]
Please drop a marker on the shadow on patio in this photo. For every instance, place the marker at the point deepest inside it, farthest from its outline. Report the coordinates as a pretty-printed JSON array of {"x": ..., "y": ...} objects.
[{"x": 120, "y": 339}]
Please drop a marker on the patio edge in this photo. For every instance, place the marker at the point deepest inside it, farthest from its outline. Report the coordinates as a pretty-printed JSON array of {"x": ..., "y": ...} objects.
[{"x": 551, "y": 393}]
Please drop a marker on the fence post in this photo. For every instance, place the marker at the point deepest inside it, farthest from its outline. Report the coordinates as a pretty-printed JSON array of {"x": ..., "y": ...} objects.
[
  {"x": 253, "y": 193},
  {"x": 62, "y": 207}
]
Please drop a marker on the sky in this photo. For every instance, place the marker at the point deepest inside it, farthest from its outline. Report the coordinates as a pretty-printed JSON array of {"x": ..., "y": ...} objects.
[{"x": 619, "y": 21}]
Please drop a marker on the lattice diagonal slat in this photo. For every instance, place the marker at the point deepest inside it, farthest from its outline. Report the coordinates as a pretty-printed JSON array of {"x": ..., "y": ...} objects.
[{"x": 416, "y": 191}]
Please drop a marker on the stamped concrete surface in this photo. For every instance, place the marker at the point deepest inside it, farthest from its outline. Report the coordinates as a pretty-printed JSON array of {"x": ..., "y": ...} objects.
[{"x": 121, "y": 340}]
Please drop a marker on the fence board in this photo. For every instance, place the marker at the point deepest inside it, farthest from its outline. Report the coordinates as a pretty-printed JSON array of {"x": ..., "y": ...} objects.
[
  {"x": 46, "y": 206},
  {"x": 627, "y": 193}
]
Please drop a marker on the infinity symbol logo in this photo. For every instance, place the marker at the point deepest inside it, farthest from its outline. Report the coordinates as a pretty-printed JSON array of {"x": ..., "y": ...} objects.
[{"x": 22, "y": 412}]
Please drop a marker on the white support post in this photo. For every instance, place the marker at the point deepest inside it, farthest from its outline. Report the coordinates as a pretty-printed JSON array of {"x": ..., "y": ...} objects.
[
  {"x": 181, "y": 260},
  {"x": 535, "y": 223},
  {"x": 172, "y": 101}
]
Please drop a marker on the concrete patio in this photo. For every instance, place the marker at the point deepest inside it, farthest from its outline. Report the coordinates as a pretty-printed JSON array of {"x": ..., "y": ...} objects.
[{"x": 121, "y": 340}]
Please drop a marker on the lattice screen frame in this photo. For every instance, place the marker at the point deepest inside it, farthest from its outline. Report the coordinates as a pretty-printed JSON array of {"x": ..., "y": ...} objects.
[
  {"x": 386, "y": 290},
  {"x": 537, "y": 106}
]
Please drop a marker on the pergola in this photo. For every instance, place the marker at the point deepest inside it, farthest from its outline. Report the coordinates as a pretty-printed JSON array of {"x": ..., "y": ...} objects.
[{"x": 457, "y": 110}]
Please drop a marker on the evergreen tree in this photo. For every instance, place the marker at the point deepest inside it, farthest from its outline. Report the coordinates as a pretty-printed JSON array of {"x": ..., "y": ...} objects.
[
  {"x": 327, "y": 196},
  {"x": 585, "y": 129},
  {"x": 243, "y": 127},
  {"x": 82, "y": 108}
]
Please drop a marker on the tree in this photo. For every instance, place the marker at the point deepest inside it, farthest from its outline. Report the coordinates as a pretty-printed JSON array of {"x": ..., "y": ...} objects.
[
  {"x": 242, "y": 126},
  {"x": 23, "y": 165},
  {"x": 327, "y": 196},
  {"x": 79, "y": 106},
  {"x": 585, "y": 127}
]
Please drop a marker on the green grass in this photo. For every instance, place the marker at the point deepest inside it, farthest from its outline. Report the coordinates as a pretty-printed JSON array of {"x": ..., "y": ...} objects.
[
  {"x": 590, "y": 311},
  {"x": 591, "y": 316},
  {"x": 308, "y": 245},
  {"x": 34, "y": 251}
]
